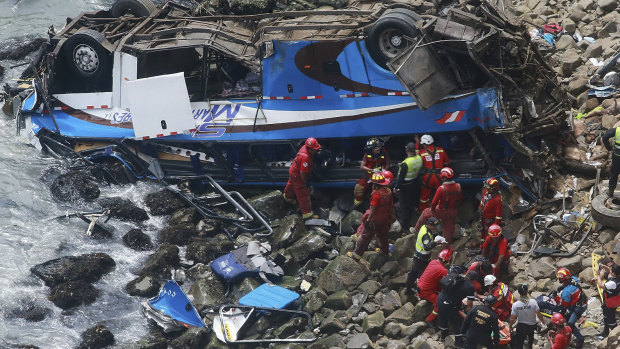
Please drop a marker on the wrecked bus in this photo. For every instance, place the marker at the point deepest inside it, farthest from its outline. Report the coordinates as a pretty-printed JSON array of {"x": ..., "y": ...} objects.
[{"x": 232, "y": 96}]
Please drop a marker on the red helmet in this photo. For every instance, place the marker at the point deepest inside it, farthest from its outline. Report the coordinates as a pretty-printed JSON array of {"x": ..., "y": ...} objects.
[
  {"x": 563, "y": 274},
  {"x": 312, "y": 143},
  {"x": 446, "y": 172},
  {"x": 445, "y": 254},
  {"x": 558, "y": 319},
  {"x": 379, "y": 178},
  {"x": 495, "y": 231},
  {"x": 491, "y": 184},
  {"x": 388, "y": 175}
]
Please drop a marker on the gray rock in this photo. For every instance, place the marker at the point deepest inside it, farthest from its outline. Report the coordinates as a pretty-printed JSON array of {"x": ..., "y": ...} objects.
[
  {"x": 373, "y": 324},
  {"x": 419, "y": 343},
  {"x": 573, "y": 264},
  {"x": 390, "y": 268},
  {"x": 359, "y": 341},
  {"x": 207, "y": 291},
  {"x": 369, "y": 287},
  {"x": 74, "y": 186},
  {"x": 421, "y": 310},
  {"x": 271, "y": 204},
  {"x": 607, "y": 121},
  {"x": 606, "y": 236},
  {"x": 404, "y": 315},
  {"x": 341, "y": 273},
  {"x": 242, "y": 288},
  {"x": 332, "y": 324},
  {"x": 413, "y": 330},
  {"x": 185, "y": 215},
  {"x": 576, "y": 15},
  {"x": 291, "y": 327},
  {"x": 163, "y": 202},
  {"x": 375, "y": 260},
  {"x": 595, "y": 50},
  {"x": 350, "y": 222},
  {"x": 137, "y": 240},
  {"x": 179, "y": 234},
  {"x": 390, "y": 302},
  {"x": 124, "y": 209},
  {"x": 571, "y": 59},
  {"x": 392, "y": 329},
  {"x": 607, "y": 5},
  {"x": 331, "y": 341},
  {"x": 143, "y": 286},
  {"x": 314, "y": 299},
  {"x": 578, "y": 85},
  {"x": 96, "y": 337},
  {"x": 569, "y": 25},
  {"x": 162, "y": 261},
  {"x": 87, "y": 267},
  {"x": 29, "y": 311},
  {"x": 397, "y": 282},
  {"x": 291, "y": 229},
  {"x": 205, "y": 250},
  {"x": 303, "y": 248},
  {"x": 339, "y": 301},
  {"x": 72, "y": 294},
  {"x": 404, "y": 247},
  {"x": 585, "y": 5},
  {"x": 542, "y": 268}
]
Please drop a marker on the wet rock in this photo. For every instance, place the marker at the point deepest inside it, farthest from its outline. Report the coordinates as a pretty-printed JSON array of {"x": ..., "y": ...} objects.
[
  {"x": 72, "y": 294},
  {"x": 343, "y": 272},
  {"x": 150, "y": 341},
  {"x": 404, "y": 247},
  {"x": 163, "y": 202},
  {"x": 303, "y": 248},
  {"x": 2, "y": 73},
  {"x": 30, "y": 312},
  {"x": 359, "y": 341},
  {"x": 373, "y": 324},
  {"x": 333, "y": 323},
  {"x": 183, "y": 215},
  {"x": 179, "y": 234},
  {"x": 96, "y": 337},
  {"x": 291, "y": 229},
  {"x": 244, "y": 287},
  {"x": 202, "y": 250},
  {"x": 291, "y": 327},
  {"x": 74, "y": 186},
  {"x": 162, "y": 261},
  {"x": 124, "y": 209},
  {"x": 194, "y": 338},
  {"x": 403, "y": 315},
  {"x": 207, "y": 227},
  {"x": 271, "y": 204},
  {"x": 350, "y": 222},
  {"x": 573, "y": 264},
  {"x": 314, "y": 299},
  {"x": 339, "y": 300},
  {"x": 207, "y": 291},
  {"x": 86, "y": 267},
  {"x": 250, "y": 7},
  {"x": 143, "y": 286},
  {"x": 331, "y": 341},
  {"x": 290, "y": 282},
  {"x": 369, "y": 287},
  {"x": 18, "y": 48},
  {"x": 137, "y": 240}
]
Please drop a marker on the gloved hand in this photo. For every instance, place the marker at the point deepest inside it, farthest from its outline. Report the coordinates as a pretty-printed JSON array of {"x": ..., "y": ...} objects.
[{"x": 439, "y": 239}]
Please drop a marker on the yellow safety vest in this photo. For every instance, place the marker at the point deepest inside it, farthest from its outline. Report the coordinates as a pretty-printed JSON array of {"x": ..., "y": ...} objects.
[
  {"x": 419, "y": 246},
  {"x": 414, "y": 164},
  {"x": 617, "y": 142}
]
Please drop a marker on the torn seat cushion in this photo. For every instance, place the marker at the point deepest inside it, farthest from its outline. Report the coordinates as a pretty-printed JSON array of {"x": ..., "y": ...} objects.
[{"x": 246, "y": 261}]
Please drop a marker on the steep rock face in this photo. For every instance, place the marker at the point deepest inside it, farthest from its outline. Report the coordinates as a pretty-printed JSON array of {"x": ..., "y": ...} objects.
[{"x": 86, "y": 267}]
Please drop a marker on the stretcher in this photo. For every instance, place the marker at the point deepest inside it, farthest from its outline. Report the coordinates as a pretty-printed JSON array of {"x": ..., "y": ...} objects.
[{"x": 595, "y": 269}]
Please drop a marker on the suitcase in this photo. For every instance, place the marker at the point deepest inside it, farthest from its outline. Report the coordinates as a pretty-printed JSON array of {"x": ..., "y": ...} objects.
[{"x": 270, "y": 296}]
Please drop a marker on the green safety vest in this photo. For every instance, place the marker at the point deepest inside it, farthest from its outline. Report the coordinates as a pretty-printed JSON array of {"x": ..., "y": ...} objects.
[
  {"x": 419, "y": 246},
  {"x": 414, "y": 164},
  {"x": 617, "y": 142}
]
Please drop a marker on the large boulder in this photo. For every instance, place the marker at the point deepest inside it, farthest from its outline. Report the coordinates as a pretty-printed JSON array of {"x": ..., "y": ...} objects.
[
  {"x": 143, "y": 286},
  {"x": 185, "y": 215},
  {"x": 571, "y": 59},
  {"x": 291, "y": 229},
  {"x": 271, "y": 204},
  {"x": 303, "y": 248},
  {"x": 342, "y": 272},
  {"x": 124, "y": 209},
  {"x": 542, "y": 268},
  {"x": 96, "y": 337},
  {"x": 373, "y": 324},
  {"x": 359, "y": 341},
  {"x": 179, "y": 234},
  {"x": 574, "y": 264},
  {"x": 404, "y": 247},
  {"x": 29, "y": 311},
  {"x": 74, "y": 186},
  {"x": 162, "y": 261},
  {"x": 403, "y": 315},
  {"x": 351, "y": 221},
  {"x": 87, "y": 267},
  {"x": 163, "y": 202},
  {"x": 314, "y": 299},
  {"x": 17, "y": 48},
  {"x": 137, "y": 240},
  {"x": 339, "y": 300},
  {"x": 72, "y": 294}
]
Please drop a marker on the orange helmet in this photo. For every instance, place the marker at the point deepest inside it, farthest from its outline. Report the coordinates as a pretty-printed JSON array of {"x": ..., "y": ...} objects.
[
  {"x": 379, "y": 178},
  {"x": 495, "y": 231},
  {"x": 558, "y": 319},
  {"x": 445, "y": 254},
  {"x": 312, "y": 143},
  {"x": 491, "y": 184},
  {"x": 446, "y": 172},
  {"x": 563, "y": 274},
  {"x": 388, "y": 175}
]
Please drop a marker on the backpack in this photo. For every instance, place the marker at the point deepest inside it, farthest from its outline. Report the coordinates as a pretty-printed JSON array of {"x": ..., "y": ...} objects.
[{"x": 450, "y": 282}]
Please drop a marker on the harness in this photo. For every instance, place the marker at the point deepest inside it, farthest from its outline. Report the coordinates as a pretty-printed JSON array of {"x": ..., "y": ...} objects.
[{"x": 450, "y": 193}]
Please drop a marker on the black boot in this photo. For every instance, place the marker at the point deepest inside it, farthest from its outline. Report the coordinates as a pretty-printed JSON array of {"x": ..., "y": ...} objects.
[{"x": 605, "y": 332}]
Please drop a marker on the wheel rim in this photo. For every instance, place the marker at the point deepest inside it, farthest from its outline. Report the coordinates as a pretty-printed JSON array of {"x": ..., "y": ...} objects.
[
  {"x": 392, "y": 42},
  {"x": 86, "y": 59},
  {"x": 613, "y": 203}
]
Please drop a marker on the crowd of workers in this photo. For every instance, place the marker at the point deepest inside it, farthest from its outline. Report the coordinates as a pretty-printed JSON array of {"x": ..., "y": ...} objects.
[{"x": 452, "y": 289}]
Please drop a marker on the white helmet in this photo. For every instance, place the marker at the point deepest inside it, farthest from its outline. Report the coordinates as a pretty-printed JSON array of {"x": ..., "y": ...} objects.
[
  {"x": 426, "y": 140},
  {"x": 489, "y": 280}
]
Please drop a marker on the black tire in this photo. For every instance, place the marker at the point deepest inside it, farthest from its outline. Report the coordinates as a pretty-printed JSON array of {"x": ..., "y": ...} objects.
[
  {"x": 385, "y": 41},
  {"x": 138, "y": 8},
  {"x": 604, "y": 215},
  {"x": 86, "y": 55}
]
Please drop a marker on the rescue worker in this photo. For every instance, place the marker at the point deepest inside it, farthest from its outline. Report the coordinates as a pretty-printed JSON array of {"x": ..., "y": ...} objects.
[
  {"x": 376, "y": 159},
  {"x": 495, "y": 248},
  {"x": 480, "y": 325},
  {"x": 299, "y": 175},
  {"x": 427, "y": 239},
  {"x": 615, "y": 158},
  {"x": 503, "y": 297},
  {"x": 434, "y": 158},
  {"x": 445, "y": 204},
  {"x": 389, "y": 176},
  {"x": 490, "y": 208},
  {"x": 574, "y": 301},
  {"x": 480, "y": 268},
  {"x": 449, "y": 302},
  {"x": 611, "y": 296},
  {"x": 380, "y": 218},
  {"x": 561, "y": 333},
  {"x": 524, "y": 313},
  {"x": 408, "y": 185},
  {"x": 428, "y": 283}
]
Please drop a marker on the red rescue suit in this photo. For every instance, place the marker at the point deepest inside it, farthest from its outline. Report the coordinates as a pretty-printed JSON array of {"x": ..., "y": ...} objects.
[
  {"x": 562, "y": 338},
  {"x": 492, "y": 250},
  {"x": 434, "y": 158},
  {"x": 491, "y": 211},
  {"x": 296, "y": 187},
  {"x": 379, "y": 225},
  {"x": 445, "y": 206},
  {"x": 429, "y": 287},
  {"x": 504, "y": 297},
  {"x": 374, "y": 161}
]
